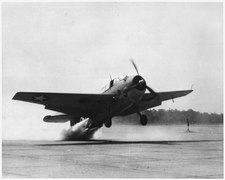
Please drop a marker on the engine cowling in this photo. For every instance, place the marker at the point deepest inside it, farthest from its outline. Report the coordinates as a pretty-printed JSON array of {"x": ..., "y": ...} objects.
[{"x": 136, "y": 89}]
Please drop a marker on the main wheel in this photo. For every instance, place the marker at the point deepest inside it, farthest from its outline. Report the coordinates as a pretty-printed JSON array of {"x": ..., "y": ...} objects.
[
  {"x": 108, "y": 123},
  {"x": 143, "y": 120}
]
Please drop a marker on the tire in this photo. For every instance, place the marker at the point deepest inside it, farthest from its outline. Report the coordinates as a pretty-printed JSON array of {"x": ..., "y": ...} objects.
[
  {"x": 108, "y": 123},
  {"x": 144, "y": 120}
]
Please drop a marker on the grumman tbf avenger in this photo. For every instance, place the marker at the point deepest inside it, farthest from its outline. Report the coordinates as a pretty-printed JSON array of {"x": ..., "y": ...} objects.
[{"x": 122, "y": 97}]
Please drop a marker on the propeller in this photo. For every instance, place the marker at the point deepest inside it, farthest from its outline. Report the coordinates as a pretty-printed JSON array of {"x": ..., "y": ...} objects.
[
  {"x": 110, "y": 77},
  {"x": 111, "y": 81},
  {"x": 135, "y": 67},
  {"x": 150, "y": 90},
  {"x": 147, "y": 87}
]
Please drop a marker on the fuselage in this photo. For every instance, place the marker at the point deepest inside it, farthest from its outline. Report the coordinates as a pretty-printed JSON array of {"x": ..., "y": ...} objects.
[{"x": 128, "y": 91}]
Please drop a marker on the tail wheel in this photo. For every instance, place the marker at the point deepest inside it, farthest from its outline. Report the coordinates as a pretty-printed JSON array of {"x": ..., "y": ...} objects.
[
  {"x": 108, "y": 123},
  {"x": 143, "y": 120}
]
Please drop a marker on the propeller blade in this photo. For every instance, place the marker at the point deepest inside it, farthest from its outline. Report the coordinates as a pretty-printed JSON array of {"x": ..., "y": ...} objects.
[
  {"x": 132, "y": 61},
  {"x": 110, "y": 77},
  {"x": 147, "y": 87},
  {"x": 150, "y": 90}
]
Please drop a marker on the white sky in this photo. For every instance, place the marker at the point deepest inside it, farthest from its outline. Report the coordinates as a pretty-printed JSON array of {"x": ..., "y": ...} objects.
[{"x": 72, "y": 48}]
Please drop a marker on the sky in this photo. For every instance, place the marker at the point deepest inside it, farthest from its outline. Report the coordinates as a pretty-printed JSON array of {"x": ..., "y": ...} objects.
[{"x": 73, "y": 47}]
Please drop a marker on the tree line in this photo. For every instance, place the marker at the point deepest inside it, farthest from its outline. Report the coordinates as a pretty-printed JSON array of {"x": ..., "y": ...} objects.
[{"x": 162, "y": 116}]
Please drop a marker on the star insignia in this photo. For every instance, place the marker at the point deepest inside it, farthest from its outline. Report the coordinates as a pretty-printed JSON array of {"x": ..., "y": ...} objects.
[{"x": 40, "y": 98}]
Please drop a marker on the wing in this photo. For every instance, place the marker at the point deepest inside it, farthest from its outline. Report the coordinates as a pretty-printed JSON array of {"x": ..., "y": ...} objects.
[
  {"x": 149, "y": 100},
  {"x": 163, "y": 96},
  {"x": 80, "y": 105}
]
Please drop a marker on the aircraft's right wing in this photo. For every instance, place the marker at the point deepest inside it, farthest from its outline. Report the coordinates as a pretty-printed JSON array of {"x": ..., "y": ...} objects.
[{"x": 79, "y": 105}]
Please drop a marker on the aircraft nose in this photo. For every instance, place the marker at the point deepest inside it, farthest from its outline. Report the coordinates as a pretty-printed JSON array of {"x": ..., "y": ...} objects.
[{"x": 139, "y": 83}]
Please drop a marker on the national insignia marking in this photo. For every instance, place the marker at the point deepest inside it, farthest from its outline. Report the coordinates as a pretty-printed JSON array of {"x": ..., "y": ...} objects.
[{"x": 40, "y": 98}]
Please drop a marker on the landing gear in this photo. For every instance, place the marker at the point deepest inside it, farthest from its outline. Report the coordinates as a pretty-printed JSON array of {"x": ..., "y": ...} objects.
[
  {"x": 108, "y": 123},
  {"x": 143, "y": 120}
]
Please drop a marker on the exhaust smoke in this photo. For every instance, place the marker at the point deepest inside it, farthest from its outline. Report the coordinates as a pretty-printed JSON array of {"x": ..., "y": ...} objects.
[{"x": 78, "y": 132}]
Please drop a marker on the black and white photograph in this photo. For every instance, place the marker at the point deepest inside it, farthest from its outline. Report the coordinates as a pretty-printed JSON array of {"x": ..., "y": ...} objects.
[{"x": 112, "y": 90}]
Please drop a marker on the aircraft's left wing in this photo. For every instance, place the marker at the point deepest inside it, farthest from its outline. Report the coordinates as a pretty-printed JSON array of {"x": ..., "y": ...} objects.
[
  {"x": 169, "y": 95},
  {"x": 80, "y": 105},
  {"x": 149, "y": 100}
]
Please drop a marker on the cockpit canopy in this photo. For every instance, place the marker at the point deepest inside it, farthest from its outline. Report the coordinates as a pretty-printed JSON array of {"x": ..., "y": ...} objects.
[
  {"x": 116, "y": 80},
  {"x": 113, "y": 82}
]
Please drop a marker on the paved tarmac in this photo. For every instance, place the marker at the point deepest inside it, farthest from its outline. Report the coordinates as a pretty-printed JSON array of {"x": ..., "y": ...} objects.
[{"x": 187, "y": 158}]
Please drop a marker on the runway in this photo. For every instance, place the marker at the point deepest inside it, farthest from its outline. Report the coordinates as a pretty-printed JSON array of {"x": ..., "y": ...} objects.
[{"x": 102, "y": 158}]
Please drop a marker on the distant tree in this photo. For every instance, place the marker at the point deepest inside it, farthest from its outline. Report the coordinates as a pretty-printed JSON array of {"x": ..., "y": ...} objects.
[{"x": 173, "y": 116}]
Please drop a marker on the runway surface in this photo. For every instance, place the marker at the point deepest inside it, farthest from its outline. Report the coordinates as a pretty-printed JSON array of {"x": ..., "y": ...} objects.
[{"x": 193, "y": 155}]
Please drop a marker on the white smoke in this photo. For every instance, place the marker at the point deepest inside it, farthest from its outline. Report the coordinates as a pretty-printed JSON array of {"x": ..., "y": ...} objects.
[{"x": 78, "y": 132}]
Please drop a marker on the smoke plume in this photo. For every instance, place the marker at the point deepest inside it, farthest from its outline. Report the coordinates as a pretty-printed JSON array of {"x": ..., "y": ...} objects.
[{"x": 78, "y": 132}]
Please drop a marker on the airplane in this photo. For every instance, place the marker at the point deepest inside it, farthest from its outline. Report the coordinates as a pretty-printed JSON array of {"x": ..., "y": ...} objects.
[{"x": 122, "y": 97}]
